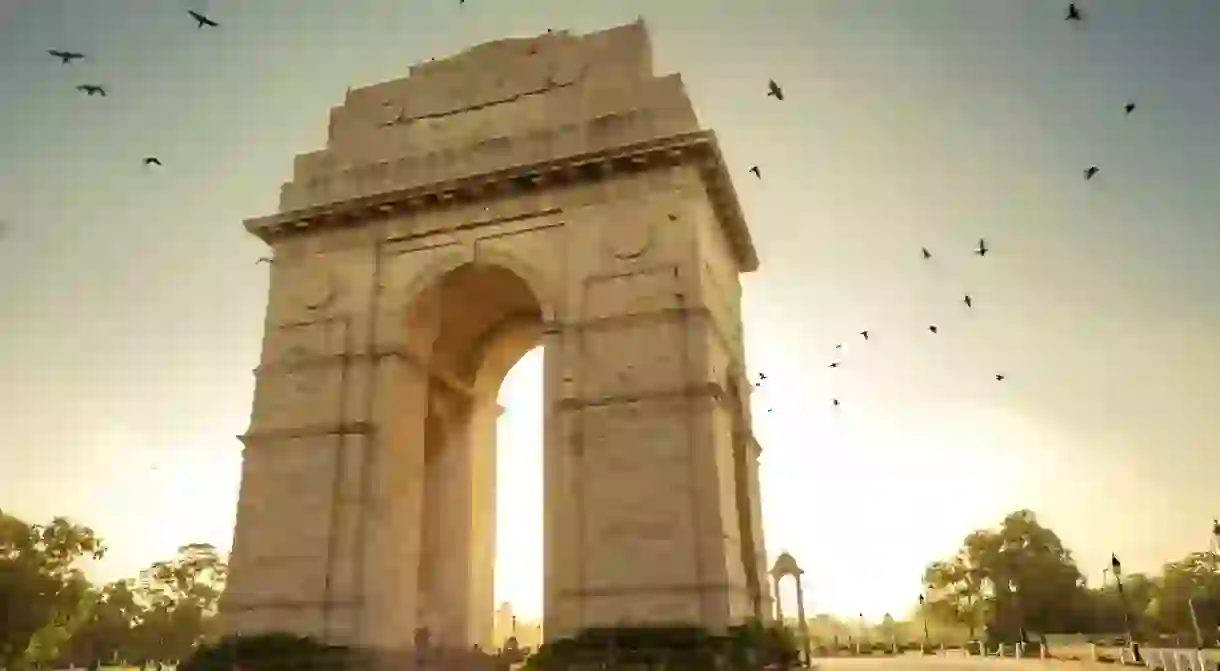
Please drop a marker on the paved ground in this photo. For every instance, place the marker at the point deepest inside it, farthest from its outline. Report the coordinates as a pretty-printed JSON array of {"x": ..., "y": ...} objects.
[{"x": 950, "y": 663}]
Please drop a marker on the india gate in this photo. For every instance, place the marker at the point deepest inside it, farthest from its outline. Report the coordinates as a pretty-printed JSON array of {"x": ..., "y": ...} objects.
[{"x": 545, "y": 191}]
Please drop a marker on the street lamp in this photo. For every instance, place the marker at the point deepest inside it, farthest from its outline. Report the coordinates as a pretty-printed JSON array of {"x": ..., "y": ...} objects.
[
  {"x": 1117, "y": 568},
  {"x": 924, "y": 612}
]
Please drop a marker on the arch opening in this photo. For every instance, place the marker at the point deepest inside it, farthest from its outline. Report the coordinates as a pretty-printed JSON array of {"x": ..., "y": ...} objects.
[{"x": 468, "y": 329}]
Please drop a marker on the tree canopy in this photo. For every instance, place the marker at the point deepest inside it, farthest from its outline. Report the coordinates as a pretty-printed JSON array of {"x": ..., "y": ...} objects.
[
  {"x": 52, "y": 614},
  {"x": 1019, "y": 578}
]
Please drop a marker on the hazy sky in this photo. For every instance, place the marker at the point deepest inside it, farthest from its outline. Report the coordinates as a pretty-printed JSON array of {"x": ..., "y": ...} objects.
[{"x": 131, "y": 307}]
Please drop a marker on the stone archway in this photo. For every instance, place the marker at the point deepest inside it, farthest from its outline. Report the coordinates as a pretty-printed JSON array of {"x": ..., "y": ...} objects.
[
  {"x": 467, "y": 353},
  {"x": 413, "y": 265}
]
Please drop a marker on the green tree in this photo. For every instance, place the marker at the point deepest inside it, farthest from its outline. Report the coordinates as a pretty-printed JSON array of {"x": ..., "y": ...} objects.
[
  {"x": 43, "y": 593},
  {"x": 1190, "y": 579},
  {"x": 182, "y": 595},
  {"x": 108, "y": 633},
  {"x": 1016, "y": 578}
]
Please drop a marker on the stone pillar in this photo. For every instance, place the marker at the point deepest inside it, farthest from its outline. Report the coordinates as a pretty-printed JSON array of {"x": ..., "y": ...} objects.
[
  {"x": 803, "y": 625},
  {"x": 779, "y": 603}
]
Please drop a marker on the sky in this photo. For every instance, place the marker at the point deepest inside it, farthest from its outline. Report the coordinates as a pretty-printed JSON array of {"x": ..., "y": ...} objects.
[{"x": 131, "y": 305}]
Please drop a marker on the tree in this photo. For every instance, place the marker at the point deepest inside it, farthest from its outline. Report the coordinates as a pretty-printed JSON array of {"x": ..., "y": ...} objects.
[
  {"x": 108, "y": 632},
  {"x": 43, "y": 592},
  {"x": 1190, "y": 579},
  {"x": 182, "y": 595},
  {"x": 1012, "y": 579}
]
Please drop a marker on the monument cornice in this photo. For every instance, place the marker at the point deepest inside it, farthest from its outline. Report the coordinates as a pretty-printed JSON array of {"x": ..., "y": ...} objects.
[{"x": 701, "y": 146}]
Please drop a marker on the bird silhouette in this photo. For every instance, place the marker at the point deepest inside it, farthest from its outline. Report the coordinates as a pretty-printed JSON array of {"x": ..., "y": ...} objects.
[
  {"x": 933, "y": 328},
  {"x": 865, "y": 334},
  {"x": 982, "y": 248},
  {"x": 761, "y": 376},
  {"x": 1091, "y": 171},
  {"x": 152, "y": 160},
  {"x": 834, "y": 364},
  {"x": 65, "y": 56},
  {"x": 92, "y": 89},
  {"x": 926, "y": 253},
  {"x": 265, "y": 259},
  {"x": 835, "y": 401},
  {"x": 999, "y": 377},
  {"x": 968, "y": 301},
  {"x": 839, "y": 346},
  {"x": 1073, "y": 13},
  {"x": 756, "y": 171},
  {"x": 1129, "y": 107},
  {"x": 774, "y": 91},
  {"x": 202, "y": 20}
]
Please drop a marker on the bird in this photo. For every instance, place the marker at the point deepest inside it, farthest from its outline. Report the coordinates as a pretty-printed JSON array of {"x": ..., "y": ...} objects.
[
  {"x": 92, "y": 89},
  {"x": 835, "y": 401},
  {"x": 834, "y": 364},
  {"x": 152, "y": 160},
  {"x": 1074, "y": 13},
  {"x": 762, "y": 376},
  {"x": 839, "y": 346},
  {"x": 265, "y": 259},
  {"x": 982, "y": 248},
  {"x": 926, "y": 253},
  {"x": 999, "y": 377},
  {"x": 933, "y": 328},
  {"x": 756, "y": 171},
  {"x": 202, "y": 20},
  {"x": 968, "y": 301},
  {"x": 865, "y": 334},
  {"x": 673, "y": 217},
  {"x": 1129, "y": 107},
  {"x": 1091, "y": 171},
  {"x": 65, "y": 56},
  {"x": 774, "y": 91}
]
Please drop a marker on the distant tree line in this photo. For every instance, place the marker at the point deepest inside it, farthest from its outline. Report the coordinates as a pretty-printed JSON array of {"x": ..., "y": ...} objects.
[
  {"x": 50, "y": 614},
  {"x": 1019, "y": 580}
]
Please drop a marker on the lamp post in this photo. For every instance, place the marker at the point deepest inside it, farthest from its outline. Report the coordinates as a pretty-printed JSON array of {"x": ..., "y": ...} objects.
[
  {"x": 1117, "y": 568},
  {"x": 923, "y": 611}
]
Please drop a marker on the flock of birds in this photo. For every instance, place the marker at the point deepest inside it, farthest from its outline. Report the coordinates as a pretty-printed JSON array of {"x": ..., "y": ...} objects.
[
  {"x": 89, "y": 89},
  {"x": 774, "y": 90}
]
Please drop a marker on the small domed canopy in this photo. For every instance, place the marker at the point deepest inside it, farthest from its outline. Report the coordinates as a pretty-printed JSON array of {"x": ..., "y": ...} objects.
[{"x": 785, "y": 565}]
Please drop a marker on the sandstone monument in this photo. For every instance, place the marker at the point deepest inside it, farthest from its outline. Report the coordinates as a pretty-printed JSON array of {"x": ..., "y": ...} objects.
[{"x": 549, "y": 191}]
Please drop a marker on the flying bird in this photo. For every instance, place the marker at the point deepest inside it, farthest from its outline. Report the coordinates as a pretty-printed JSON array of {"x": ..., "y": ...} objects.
[
  {"x": 265, "y": 259},
  {"x": 926, "y": 253},
  {"x": 835, "y": 401},
  {"x": 933, "y": 328},
  {"x": 1091, "y": 171},
  {"x": 152, "y": 160},
  {"x": 999, "y": 377},
  {"x": 982, "y": 248},
  {"x": 968, "y": 301},
  {"x": 1129, "y": 107},
  {"x": 761, "y": 376},
  {"x": 65, "y": 56},
  {"x": 92, "y": 89},
  {"x": 865, "y": 334},
  {"x": 835, "y": 364},
  {"x": 774, "y": 91},
  {"x": 202, "y": 20},
  {"x": 839, "y": 346},
  {"x": 756, "y": 171},
  {"x": 1073, "y": 13}
]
